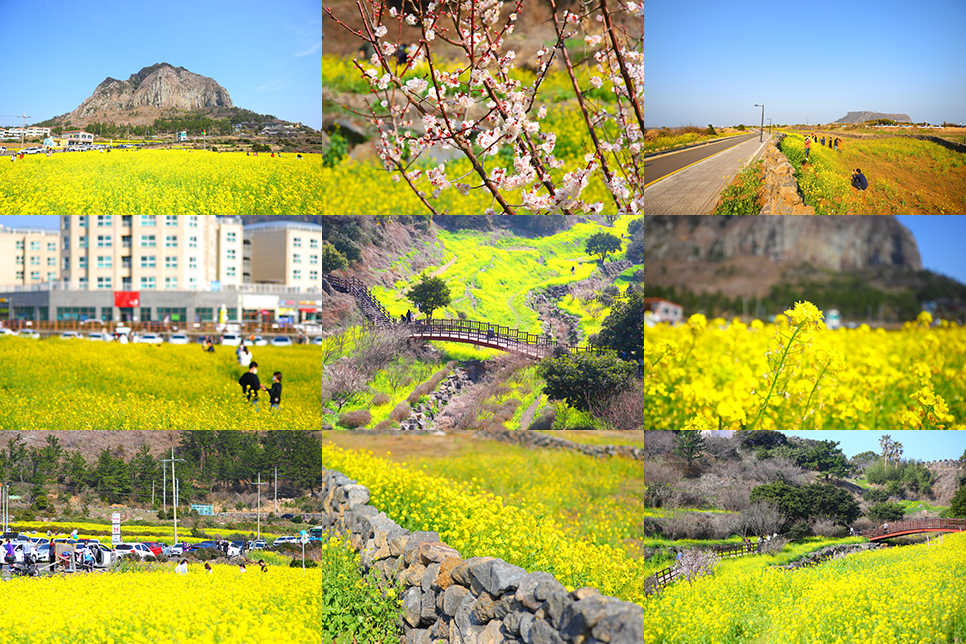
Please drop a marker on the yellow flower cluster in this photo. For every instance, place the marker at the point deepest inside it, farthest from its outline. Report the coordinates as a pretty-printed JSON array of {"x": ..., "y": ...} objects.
[{"x": 912, "y": 594}]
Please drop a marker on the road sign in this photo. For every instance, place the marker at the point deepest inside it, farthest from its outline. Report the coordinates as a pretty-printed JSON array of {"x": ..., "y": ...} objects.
[
  {"x": 116, "y": 528},
  {"x": 305, "y": 536},
  {"x": 116, "y": 517},
  {"x": 116, "y": 539}
]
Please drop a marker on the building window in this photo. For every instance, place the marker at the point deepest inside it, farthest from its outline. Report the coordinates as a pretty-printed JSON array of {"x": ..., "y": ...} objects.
[
  {"x": 230, "y": 271},
  {"x": 82, "y": 221},
  {"x": 170, "y": 282},
  {"x": 125, "y": 241},
  {"x": 313, "y": 259},
  {"x": 296, "y": 242},
  {"x": 192, "y": 283},
  {"x": 104, "y": 241},
  {"x": 82, "y": 282},
  {"x": 104, "y": 261},
  {"x": 230, "y": 253},
  {"x": 66, "y": 243},
  {"x": 171, "y": 261},
  {"x": 66, "y": 264},
  {"x": 75, "y": 313},
  {"x": 145, "y": 313},
  {"x": 20, "y": 244},
  {"x": 51, "y": 277},
  {"x": 104, "y": 283},
  {"x": 82, "y": 241},
  {"x": 148, "y": 284},
  {"x": 171, "y": 220},
  {"x": 231, "y": 237},
  {"x": 51, "y": 247},
  {"x": 296, "y": 274},
  {"x": 296, "y": 258},
  {"x": 204, "y": 314},
  {"x": 67, "y": 221},
  {"x": 126, "y": 220},
  {"x": 125, "y": 283},
  {"x": 193, "y": 221},
  {"x": 193, "y": 263},
  {"x": 313, "y": 275},
  {"x": 192, "y": 242},
  {"x": 51, "y": 261},
  {"x": 148, "y": 241},
  {"x": 126, "y": 262},
  {"x": 20, "y": 259},
  {"x": 171, "y": 241},
  {"x": 313, "y": 243},
  {"x": 147, "y": 261},
  {"x": 20, "y": 275},
  {"x": 35, "y": 260},
  {"x": 35, "y": 245},
  {"x": 82, "y": 262},
  {"x": 105, "y": 220},
  {"x": 149, "y": 220},
  {"x": 35, "y": 275},
  {"x": 173, "y": 314}
]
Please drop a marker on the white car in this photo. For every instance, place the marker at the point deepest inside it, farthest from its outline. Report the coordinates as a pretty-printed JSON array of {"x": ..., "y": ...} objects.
[
  {"x": 28, "y": 333},
  {"x": 282, "y": 341},
  {"x": 133, "y": 549},
  {"x": 256, "y": 341},
  {"x": 33, "y": 151},
  {"x": 231, "y": 339},
  {"x": 151, "y": 338},
  {"x": 69, "y": 335},
  {"x": 279, "y": 541},
  {"x": 99, "y": 336},
  {"x": 178, "y": 338}
]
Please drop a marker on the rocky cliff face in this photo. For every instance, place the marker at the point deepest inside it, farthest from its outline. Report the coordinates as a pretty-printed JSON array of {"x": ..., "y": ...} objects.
[
  {"x": 836, "y": 243},
  {"x": 158, "y": 87},
  {"x": 862, "y": 117}
]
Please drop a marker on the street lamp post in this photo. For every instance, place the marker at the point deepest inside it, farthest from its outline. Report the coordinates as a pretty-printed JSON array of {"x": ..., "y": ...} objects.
[
  {"x": 769, "y": 127},
  {"x": 761, "y": 132}
]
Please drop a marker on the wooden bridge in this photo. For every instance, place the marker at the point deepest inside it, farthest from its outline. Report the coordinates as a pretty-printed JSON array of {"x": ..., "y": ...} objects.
[
  {"x": 482, "y": 334},
  {"x": 914, "y": 526}
]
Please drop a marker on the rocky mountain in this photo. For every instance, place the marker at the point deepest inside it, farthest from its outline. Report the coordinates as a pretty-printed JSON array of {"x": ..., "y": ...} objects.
[
  {"x": 834, "y": 243},
  {"x": 151, "y": 92},
  {"x": 862, "y": 117}
]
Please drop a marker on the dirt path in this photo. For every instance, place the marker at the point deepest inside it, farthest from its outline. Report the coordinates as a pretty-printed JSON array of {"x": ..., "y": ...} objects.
[{"x": 442, "y": 269}]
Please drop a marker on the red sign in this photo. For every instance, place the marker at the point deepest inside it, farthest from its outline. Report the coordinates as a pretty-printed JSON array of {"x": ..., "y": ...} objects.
[{"x": 127, "y": 299}]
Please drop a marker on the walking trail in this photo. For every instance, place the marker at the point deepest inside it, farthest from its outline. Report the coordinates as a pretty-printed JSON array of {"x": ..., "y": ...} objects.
[{"x": 695, "y": 189}]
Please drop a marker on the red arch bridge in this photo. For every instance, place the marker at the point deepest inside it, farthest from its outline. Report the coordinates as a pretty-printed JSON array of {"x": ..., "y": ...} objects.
[{"x": 914, "y": 526}]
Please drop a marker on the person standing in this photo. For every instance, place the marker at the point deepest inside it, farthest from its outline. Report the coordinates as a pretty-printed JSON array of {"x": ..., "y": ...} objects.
[
  {"x": 182, "y": 568},
  {"x": 808, "y": 147},
  {"x": 250, "y": 383},
  {"x": 275, "y": 393},
  {"x": 245, "y": 357}
]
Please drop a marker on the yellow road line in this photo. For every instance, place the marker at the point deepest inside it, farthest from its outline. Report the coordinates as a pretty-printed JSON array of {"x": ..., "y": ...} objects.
[{"x": 646, "y": 185}]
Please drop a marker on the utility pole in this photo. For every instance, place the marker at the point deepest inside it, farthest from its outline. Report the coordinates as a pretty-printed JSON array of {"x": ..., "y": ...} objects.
[
  {"x": 259, "y": 488},
  {"x": 174, "y": 492},
  {"x": 23, "y": 125},
  {"x": 164, "y": 482},
  {"x": 276, "y": 491}
]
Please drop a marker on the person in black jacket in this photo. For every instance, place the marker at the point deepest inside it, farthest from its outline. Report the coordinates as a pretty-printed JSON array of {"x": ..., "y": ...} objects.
[
  {"x": 250, "y": 383},
  {"x": 275, "y": 393}
]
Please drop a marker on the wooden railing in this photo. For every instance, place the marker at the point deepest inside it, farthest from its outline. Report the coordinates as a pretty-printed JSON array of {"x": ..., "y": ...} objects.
[
  {"x": 665, "y": 577},
  {"x": 469, "y": 331},
  {"x": 913, "y": 526}
]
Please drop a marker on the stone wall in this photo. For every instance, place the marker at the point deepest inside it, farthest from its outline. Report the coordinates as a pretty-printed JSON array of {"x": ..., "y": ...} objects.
[
  {"x": 481, "y": 600},
  {"x": 781, "y": 189}
]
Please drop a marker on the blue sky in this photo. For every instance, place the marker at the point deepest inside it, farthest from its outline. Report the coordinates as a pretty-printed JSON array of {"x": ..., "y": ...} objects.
[
  {"x": 268, "y": 56},
  {"x": 940, "y": 238},
  {"x": 916, "y": 444},
  {"x": 713, "y": 61}
]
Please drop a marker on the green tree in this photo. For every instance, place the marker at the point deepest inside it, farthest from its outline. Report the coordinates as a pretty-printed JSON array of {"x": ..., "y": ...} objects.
[
  {"x": 957, "y": 508},
  {"x": 826, "y": 500},
  {"x": 624, "y": 329},
  {"x": 602, "y": 244},
  {"x": 338, "y": 148},
  {"x": 886, "y": 512},
  {"x": 864, "y": 458},
  {"x": 585, "y": 379},
  {"x": 429, "y": 294},
  {"x": 690, "y": 446},
  {"x": 331, "y": 259},
  {"x": 790, "y": 499},
  {"x": 826, "y": 458}
]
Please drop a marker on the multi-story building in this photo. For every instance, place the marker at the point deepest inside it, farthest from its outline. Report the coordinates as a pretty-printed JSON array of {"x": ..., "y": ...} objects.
[
  {"x": 29, "y": 256},
  {"x": 284, "y": 252},
  {"x": 151, "y": 252}
]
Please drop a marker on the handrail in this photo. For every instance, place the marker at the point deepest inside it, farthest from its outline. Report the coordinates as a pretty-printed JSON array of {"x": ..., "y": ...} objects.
[
  {"x": 468, "y": 331},
  {"x": 664, "y": 577},
  {"x": 915, "y": 525}
]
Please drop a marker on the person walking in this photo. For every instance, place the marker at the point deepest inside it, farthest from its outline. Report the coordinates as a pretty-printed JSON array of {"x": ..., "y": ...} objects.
[
  {"x": 250, "y": 384},
  {"x": 275, "y": 393},
  {"x": 182, "y": 568},
  {"x": 808, "y": 147}
]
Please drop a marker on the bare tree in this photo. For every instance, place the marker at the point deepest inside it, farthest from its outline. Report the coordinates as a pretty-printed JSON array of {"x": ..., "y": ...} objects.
[
  {"x": 773, "y": 546},
  {"x": 760, "y": 519},
  {"x": 626, "y": 411},
  {"x": 343, "y": 383},
  {"x": 696, "y": 563}
]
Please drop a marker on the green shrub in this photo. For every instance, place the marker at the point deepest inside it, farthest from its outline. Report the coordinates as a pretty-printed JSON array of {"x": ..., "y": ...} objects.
[
  {"x": 355, "y": 419},
  {"x": 886, "y": 512}
]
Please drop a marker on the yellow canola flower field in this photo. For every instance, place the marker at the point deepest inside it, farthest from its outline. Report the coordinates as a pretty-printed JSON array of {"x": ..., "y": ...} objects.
[
  {"x": 894, "y": 596},
  {"x": 149, "y": 607},
  {"x": 162, "y": 182}
]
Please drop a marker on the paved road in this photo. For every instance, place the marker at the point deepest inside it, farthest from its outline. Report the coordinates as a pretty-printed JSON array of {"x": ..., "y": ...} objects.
[
  {"x": 690, "y": 182},
  {"x": 656, "y": 168}
]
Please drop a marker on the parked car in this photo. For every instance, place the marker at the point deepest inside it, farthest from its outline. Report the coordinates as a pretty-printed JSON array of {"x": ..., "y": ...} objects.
[
  {"x": 287, "y": 516},
  {"x": 69, "y": 335},
  {"x": 6, "y": 331},
  {"x": 33, "y": 151},
  {"x": 231, "y": 339},
  {"x": 257, "y": 544},
  {"x": 286, "y": 539},
  {"x": 156, "y": 548},
  {"x": 176, "y": 550},
  {"x": 133, "y": 550},
  {"x": 179, "y": 338},
  {"x": 25, "y": 553},
  {"x": 99, "y": 336},
  {"x": 256, "y": 341},
  {"x": 282, "y": 341},
  {"x": 28, "y": 333},
  {"x": 201, "y": 544},
  {"x": 151, "y": 338}
]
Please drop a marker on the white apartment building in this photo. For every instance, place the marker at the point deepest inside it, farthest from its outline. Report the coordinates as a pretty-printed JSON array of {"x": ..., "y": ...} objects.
[
  {"x": 284, "y": 252},
  {"x": 30, "y": 132},
  {"x": 151, "y": 252},
  {"x": 28, "y": 256}
]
